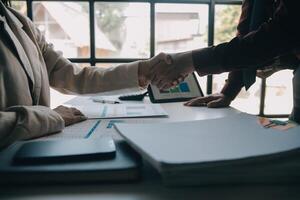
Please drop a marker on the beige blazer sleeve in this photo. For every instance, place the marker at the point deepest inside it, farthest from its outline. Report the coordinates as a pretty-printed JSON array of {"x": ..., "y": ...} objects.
[
  {"x": 18, "y": 121},
  {"x": 69, "y": 78},
  {"x": 25, "y": 122}
]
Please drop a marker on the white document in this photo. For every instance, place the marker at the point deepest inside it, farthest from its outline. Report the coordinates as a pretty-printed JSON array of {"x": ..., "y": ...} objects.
[
  {"x": 85, "y": 129},
  {"x": 96, "y": 128},
  {"x": 88, "y": 129},
  {"x": 109, "y": 111},
  {"x": 225, "y": 139}
]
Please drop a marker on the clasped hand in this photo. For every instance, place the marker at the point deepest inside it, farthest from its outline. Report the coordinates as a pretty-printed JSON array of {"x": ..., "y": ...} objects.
[{"x": 166, "y": 70}]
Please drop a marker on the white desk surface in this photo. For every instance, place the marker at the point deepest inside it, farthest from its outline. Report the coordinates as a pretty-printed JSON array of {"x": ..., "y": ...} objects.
[{"x": 150, "y": 186}]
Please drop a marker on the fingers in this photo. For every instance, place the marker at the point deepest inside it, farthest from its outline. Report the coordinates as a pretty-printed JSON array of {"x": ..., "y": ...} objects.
[
  {"x": 218, "y": 103},
  {"x": 148, "y": 69},
  {"x": 217, "y": 100},
  {"x": 161, "y": 57},
  {"x": 165, "y": 82},
  {"x": 166, "y": 76},
  {"x": 201, "y": 101},
  {"x": 73, "y": 119},
  {"x": 70, "y": 115},
  {"x": 164, "y": 73},
  {"x": 179, "y": 80},
  {"x": 161, "y": 78},
  {"x": 76, "y": 111},
  {"x": 168, "y": 59},
  {"x": 195, "y": 102},
  {"x": 157, "y": 72},
  {"x": 164, "y": 85},
  {"x": 167, "y": 86},
  {"x": 160, "y": 83},
  {"x": 160, "y": 66},
  {"x": 79, "y": 118},
  {"x": 156, "y": 79}
]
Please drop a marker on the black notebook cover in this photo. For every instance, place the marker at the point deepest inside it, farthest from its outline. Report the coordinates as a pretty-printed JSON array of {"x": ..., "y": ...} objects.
[{"x": 125, "y": 166}]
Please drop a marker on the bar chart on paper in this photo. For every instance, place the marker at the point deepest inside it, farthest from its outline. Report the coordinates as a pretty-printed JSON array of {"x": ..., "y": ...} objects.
[
  {"x": 109, "y": 111},
  {"x": 181, "y": 88}
]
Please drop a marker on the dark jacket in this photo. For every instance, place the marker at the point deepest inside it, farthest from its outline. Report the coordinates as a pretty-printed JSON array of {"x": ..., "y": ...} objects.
[{"x": 276, "y": 39}]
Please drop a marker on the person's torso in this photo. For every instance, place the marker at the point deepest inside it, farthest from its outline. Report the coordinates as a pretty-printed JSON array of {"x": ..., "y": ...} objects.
[
  {"x": 23, "y": 74},
  {"x": 290, "y": 59}
]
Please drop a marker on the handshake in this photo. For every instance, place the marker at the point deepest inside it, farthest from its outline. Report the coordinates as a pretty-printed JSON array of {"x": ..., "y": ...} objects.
[
  {"x": 165, "y": 70},
  {"x": 168, "y": 70}
]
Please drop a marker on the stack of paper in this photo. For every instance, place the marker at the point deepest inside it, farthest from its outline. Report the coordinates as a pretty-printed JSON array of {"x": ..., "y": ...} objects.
[{"x": 234, "y": 149}]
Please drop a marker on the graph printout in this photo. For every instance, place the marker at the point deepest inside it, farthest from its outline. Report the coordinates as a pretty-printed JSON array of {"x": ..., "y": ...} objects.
[{"x": 109, "y": 111}]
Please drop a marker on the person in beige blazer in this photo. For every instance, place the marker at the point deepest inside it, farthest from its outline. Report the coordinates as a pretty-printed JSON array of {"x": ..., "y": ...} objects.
[{"x": 29, "y": 66}]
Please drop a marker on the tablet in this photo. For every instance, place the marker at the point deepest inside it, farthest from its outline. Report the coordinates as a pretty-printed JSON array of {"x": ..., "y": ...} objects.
[
  {"x": 56, "y": 151},
  {"x": 186, "y": 90}
]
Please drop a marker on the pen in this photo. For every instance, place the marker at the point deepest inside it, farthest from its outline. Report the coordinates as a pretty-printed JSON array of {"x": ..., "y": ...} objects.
[
  {"x": 275, "y": 123},
  {"x": 106, "y": 101}
]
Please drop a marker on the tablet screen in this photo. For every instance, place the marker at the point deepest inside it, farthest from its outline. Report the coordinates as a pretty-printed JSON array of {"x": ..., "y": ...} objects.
[{"x": 186, "y": 90}]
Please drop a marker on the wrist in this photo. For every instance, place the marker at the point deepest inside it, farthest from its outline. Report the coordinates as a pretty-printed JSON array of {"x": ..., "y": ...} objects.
[
  {"x": 184, "y": 59},
  {"x": 230, "y": 91},
  {"x": 233, "y": 84},
  {"x": 143, "y": 74}
]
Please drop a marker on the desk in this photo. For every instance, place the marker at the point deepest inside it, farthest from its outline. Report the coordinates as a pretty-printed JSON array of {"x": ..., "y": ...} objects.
[{"x": 150, "y": 187}]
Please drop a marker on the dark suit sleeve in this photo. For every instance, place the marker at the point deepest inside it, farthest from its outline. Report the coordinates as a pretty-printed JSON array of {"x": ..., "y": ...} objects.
[
  {"x": 245, "y": 18},
  {"x": 234, "y": 82},
  {"x": 275, "y": 37}
]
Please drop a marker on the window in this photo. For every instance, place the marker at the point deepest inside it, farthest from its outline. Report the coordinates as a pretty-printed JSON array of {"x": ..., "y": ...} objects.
[
  {"x": 122, "y": 30},
  {"x": 226, "y": 21},
  {"x": 192, "y": 20},
  {"x": 65, "y": 25},
  {"x": 279, "y": 93},
  {"x": 21, "y": 6},
  {"x": 106, "y": 33}
]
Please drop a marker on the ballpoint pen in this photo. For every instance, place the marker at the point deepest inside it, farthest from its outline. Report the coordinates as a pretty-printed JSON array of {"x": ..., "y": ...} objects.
[
  {"x": 106, "y": 101},
  {"x": 275, "y": 123}
]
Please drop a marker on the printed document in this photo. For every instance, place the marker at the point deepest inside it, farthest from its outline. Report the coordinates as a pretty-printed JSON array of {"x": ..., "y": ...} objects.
[{"x": 109, "y": 111}]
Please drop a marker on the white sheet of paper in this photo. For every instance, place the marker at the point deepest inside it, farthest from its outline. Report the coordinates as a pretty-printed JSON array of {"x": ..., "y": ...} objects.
[
  {"x": 109, "y": 111},
  {"x": 95, "y": 128},
  {"x": 85, "y": 129}
]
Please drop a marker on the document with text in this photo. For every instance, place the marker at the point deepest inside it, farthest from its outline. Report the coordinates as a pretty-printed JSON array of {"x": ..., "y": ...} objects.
[{"x": 109, "y": 111}]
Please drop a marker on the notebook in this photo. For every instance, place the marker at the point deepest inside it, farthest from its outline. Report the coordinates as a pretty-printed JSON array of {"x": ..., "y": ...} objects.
[
  {"x": 232, "y": 149},
  {"x": 123, "y": 166}
]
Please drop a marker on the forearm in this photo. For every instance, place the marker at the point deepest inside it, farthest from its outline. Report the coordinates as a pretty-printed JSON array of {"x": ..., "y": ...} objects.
[
  {"x": 25, "y": 122},
  {"x": 233, "y": 84},
  {"x": 71, "y": 79},
  {"x": 7, "y": 123}
]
